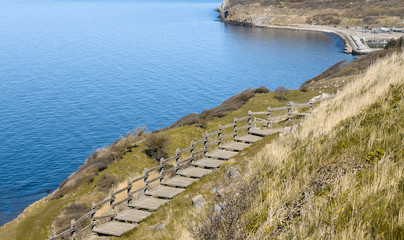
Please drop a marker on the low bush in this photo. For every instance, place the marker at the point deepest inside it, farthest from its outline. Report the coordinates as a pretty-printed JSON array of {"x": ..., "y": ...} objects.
[
  {"x": 395, "y": 43},
  {"x": 157, "y": 146},
  {"x": 280, "y": 93}
]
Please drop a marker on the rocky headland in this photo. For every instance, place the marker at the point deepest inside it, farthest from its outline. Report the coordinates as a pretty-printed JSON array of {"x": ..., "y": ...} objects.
[{"x": 353, "y": 21}]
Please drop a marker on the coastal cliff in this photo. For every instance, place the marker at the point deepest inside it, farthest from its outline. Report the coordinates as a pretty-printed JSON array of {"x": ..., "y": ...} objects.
[{"x": 264, "y": 13}]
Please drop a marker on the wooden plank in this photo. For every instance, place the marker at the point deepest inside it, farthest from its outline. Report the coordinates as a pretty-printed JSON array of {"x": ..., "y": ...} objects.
[
  {"x": 258, "y": 113},
  {"x": 300, "y": 105},
  {"x": 114, "y": 228},
  {"x": 228, "y": 135},
  {"x": 234, "y": 146},
  {"x": 278, "y": 108},
  {"x": 148, "y": 203},
  {"x": 132, "y": 215},
  {"x": 185, "y": 150},
  {"x": 164, "y": 192},
  {"x": 212, "y": 133},
  {"x": 266, "y": 132},
  {"x": 243, "y": 118},
  {"x": 178, "y": 181},
  {"x": 221, "y": 154},
  {"x": 194, "y": 172},
  {"x": 243, "y": 127},
  {"x": 95, "y": 237},
  {"x": 228, "y": 125},
  {"x": 208, "y": 163},
  {"x": 299, "y": 114},
  {"x": 185, "y": 160},
  {"x": 248, "y": 138}
]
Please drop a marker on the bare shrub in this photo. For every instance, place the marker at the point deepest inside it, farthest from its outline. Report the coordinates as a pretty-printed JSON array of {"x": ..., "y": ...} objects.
[
  {"x": 231, "y": 104},
  {"x": 207, "y": 114},
  {"x": 395, "y": 43},
  {"x": 261, "y": 89},
  {"x": 230, "y": 221},
  {"x": 203, "y": 123},
  {"x": 186, "y": 120},
  {"x": 157, "y": 145},
  {"x": 105, "y": 183},
  {"x": 280, "y": 93},
  {"x": 72, "y": 211}
]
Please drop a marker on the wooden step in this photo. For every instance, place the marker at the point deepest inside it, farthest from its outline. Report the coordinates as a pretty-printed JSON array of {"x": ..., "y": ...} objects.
[
  {"x": 114, "y": 228},
  {"x": 248, "y": 138},
  {"x": 178, "y": 181},
  {"x": 164, "y": 192},
  {"x": 132, "y": 215},
  {"x": 148, "y": 203},
  {"x": 266, "y": 132},
  {"x": 234, "y": 146},
  {"x": 208, "y": 163},
  {"x": 194, "y": 172},
  {"x": 221, "y": 154}
]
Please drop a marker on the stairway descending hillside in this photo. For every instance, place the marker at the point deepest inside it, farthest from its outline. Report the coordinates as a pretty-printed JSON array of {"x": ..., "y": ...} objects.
[
  {"x": 169, "y": 182},
  {"x": 143, "y": 207}
]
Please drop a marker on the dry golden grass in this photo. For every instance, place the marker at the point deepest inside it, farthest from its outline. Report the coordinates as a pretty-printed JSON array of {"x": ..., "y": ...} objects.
[
  {"x": 296, "y": 196},
  {"x": 339, "y": 210},
  {"x": 357, "y": 95},
  {"x": 341, "y": 175}
]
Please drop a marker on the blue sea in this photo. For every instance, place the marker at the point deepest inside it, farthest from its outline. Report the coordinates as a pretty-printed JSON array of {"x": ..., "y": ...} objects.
[{"x": 76, "y": 75}]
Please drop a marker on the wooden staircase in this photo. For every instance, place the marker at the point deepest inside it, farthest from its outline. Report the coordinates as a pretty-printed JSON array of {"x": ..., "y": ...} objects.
[
  {"x": 184, "y": 172},
  {"x": 142, "y": 208}
]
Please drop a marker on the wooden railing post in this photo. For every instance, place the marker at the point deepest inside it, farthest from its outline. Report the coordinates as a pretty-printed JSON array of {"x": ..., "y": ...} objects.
[
  {"x": 92, "y": 214},
  {"x": 255, "y": 123},
  {"x": 249, "y": 121},
  {"x": 191, "y": 152},
  {"x": 205, "y": 142},
  {"x": 269, "y": 117},
  {"x": 73, "y": 227},
  {"x": 111, "y": 203},
  {"x": 161, "y": 169},
  {"x": 129, "y": 190},
  {"x": 289, "y": 108},
  {"x": 235, "y": 128},
  {"x": 177, "y": 157},
  {"x": 219, "y": 136},
  {"x": 146, "y": 185}
]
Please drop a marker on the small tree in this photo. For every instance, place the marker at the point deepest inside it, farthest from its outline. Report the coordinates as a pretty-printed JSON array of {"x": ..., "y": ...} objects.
[
  {"x": 157, "y": 146},
  {"x": 280, "y": 93}
]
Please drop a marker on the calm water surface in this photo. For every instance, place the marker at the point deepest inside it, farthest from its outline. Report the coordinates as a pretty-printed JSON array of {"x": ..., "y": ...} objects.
[{"x": 75, "y": 75}]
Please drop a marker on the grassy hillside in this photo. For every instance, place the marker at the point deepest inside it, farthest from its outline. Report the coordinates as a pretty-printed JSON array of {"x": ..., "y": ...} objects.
[
  {"x": 112, "y": 166},
  {"x": 340, "y": 176},
  {"x": 329, "y": 12}
]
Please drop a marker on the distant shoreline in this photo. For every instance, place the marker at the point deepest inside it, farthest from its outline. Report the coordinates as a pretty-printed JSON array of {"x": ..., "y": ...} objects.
[
  {"x": 349, "y": 45},
  {"x": 350, "y": 36}
]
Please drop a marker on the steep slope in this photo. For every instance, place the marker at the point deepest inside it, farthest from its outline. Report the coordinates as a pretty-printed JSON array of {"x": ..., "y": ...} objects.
[
  {"x": 340, "y": 176},
  {"x": 73, "y": 199}
]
